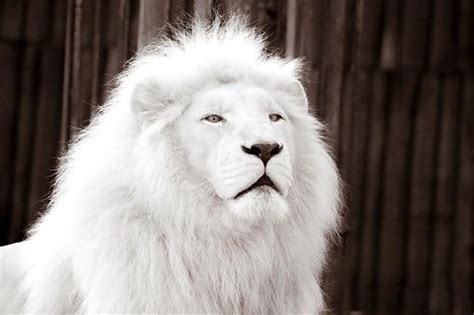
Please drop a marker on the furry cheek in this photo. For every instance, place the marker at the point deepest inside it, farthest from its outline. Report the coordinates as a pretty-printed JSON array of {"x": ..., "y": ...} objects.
[
  {"x": 231, "y": 171},
  {"x": 280, "y": 172}
]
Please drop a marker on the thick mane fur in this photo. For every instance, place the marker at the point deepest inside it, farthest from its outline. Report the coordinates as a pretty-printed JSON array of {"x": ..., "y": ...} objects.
[{"x": 130, "y": 227}]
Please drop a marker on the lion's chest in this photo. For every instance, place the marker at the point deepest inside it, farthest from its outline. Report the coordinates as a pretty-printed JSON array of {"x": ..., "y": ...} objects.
[
  {"x": 229, "y": 277},
  {"x": 176, "y": 275}
]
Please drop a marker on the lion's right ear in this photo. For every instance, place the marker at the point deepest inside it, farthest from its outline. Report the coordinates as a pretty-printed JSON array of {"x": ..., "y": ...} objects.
[
  {"x": 148, "y": 101},
  {"x": 295, "y": 90}
]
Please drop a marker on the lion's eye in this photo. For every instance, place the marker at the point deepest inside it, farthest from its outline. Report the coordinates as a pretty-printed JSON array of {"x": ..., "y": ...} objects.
[
  {"x": 213, "y": 118},
  {"x": 275, "y": 117}
]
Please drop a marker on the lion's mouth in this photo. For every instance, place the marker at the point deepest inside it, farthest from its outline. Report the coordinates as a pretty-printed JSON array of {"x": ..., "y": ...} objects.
[{"x": 262, "y": 181}]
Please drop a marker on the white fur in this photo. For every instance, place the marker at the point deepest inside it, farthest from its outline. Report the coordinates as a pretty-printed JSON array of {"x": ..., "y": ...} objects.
[{"x": 143, "y": 222}]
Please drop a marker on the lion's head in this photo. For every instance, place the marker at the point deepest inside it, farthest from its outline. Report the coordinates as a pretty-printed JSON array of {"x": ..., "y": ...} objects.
[{"x": 231, "y": 110}]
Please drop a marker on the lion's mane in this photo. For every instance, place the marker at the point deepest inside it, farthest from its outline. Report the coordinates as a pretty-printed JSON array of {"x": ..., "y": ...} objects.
[{"x": 130, "y": 229}]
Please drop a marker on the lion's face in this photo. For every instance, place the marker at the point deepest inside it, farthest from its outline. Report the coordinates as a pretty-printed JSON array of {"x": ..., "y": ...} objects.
[{"x": 240, "y": 139}]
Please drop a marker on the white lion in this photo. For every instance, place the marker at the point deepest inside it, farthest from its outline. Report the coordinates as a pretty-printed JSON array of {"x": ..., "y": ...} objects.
[{"x": 202, "y": 186}]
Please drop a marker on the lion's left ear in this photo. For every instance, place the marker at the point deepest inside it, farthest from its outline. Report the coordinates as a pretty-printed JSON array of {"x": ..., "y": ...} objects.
[
  {"x": 148, "y": 101},
  {"x": 153, "y": 103},
  {"x": 295, "y": 90}
]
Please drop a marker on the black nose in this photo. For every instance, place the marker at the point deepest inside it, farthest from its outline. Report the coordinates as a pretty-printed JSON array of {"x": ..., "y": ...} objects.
[{"x": 265, "y": 151}]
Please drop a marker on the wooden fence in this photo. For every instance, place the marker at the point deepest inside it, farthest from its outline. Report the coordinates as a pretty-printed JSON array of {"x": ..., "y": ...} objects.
[
  {"x": 31, "y": 74},
  {"x": 393, "y": 80}
]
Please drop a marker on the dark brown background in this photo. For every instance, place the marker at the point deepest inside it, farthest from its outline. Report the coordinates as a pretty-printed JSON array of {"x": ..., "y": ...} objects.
[{"x": 392, "y": 79}]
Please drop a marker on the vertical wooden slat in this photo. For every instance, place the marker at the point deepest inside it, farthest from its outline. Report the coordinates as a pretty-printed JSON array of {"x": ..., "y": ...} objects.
[
  {"x": 37, "y": 29},
  {"x": 9, "y": 76},
  {"x": 25, "y": 139},
  {"x": 326, "y": 44},
  {"x": 82, "y": 108},
  {"x": 443, "y": 45},
  {"x": 466, "y": 35},
  {"x": 47, "y": 131},
  {"x": 153, "y": 16},
  {"x": 421, "y": 197},
  {"x": 308, "y": 16},
  {"x": 440, "y": 296},
  {"x": 414, "y": 34},
  {"x": 333, "y": 50},
  {"x": 81, "y": 71},
  {"x": 280, "y": 26},
  {"x": 355, "y": 172},
  {"x": 367, "y": 54},
  {"x": 12, "y": 32},
  {"x": 133, "y": 25},
  {"x": 97, "y": 76},
  {"x": 372, "y": 204},
  {"x": 349, "y": 98},
  {"x": 462, "y": 273},
  {"x": 329, "y": 102},
  {"x": 112, "y": 46},
  {"x": 68, "y": 73},
  {"x": 395, "y": 195},
  {"x": 291, "y": 28},
  {"x": 115, "y": 18},
  {"x": 75, "y": 63},
  {"x": 57, "y": 27},
  {"x": 12, "y": 19},
  {"x": 342, "y": 260},
  {"x": 390, "y": 35}
]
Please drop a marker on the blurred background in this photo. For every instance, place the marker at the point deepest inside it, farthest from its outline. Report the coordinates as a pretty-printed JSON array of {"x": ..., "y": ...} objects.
[{"x": 392, "y": 79}]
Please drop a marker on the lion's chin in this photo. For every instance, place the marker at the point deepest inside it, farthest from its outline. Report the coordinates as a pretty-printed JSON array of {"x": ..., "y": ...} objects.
[{"x": 262, "y": 203}]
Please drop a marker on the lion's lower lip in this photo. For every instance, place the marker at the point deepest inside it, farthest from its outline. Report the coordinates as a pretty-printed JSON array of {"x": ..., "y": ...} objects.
[{"x": 262, "y": 181}]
